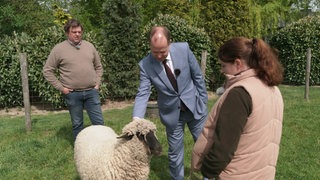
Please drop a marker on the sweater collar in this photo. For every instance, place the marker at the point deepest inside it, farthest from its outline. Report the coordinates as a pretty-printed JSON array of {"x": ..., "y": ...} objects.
[
  {"x": 231, "y": 79},
  {"x": 77, "y": 46}
]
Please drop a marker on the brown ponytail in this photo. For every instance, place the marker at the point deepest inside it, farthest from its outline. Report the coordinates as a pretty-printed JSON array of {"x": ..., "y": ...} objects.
[{"x": 268, "y": 67}]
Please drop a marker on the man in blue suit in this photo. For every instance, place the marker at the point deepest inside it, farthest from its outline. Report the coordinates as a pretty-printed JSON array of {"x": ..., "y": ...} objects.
[{"x": 182, "y": 103}]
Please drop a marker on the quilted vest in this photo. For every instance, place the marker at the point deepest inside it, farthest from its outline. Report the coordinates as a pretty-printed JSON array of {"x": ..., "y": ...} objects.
[{"x": 258, "y": 149}]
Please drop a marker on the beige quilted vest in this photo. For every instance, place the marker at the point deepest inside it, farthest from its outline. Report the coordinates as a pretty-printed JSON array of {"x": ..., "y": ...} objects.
[{"x": 257, "y": 152}]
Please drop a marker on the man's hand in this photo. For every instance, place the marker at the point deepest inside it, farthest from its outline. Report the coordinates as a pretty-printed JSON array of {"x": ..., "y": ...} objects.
[
  {"x": 136, "y": 118},
  {"x": 66, "y": 90}
]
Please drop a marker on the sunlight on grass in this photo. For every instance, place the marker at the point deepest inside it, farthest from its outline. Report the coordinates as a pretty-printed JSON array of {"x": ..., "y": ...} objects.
[{"x": 47, "y": 151}]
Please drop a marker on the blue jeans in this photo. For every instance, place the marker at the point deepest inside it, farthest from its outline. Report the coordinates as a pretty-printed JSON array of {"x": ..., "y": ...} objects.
[
  {"x": 89, "y": 100},
  {"x": 176, "y": 142}
]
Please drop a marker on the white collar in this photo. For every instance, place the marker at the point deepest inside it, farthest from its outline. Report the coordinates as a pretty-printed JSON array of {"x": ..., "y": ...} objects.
[{"x": 168, "y": 57}]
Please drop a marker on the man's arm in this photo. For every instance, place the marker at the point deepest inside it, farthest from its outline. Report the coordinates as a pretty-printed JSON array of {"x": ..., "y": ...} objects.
[
  {"x": 49, "y": 70},
  {"x": 98, "y": 67},
  {"x": 143, "y": 95}
]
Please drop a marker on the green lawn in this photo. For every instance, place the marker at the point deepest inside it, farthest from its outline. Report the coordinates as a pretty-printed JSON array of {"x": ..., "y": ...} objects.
[{"x": 47, "y": 151}]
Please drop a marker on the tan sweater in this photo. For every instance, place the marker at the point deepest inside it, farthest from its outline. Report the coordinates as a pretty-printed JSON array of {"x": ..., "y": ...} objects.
[
  {"x": 258, "y": 148},
  {"x": 78, "y": 68}
]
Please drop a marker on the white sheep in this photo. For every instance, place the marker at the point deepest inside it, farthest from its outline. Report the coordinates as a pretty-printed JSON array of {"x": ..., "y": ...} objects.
[{"x": 101, "y": 154}]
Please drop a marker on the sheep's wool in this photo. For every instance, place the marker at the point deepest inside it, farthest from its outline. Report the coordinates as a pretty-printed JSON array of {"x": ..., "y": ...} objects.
[
  {"x": 99, "y": 154},
  {"x": 143, "y": 126}
]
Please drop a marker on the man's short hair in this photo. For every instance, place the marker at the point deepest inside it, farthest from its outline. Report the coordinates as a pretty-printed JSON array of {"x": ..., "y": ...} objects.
[
  {"x": 163, "y": 29},
  {"x": 72, "y": 23}
]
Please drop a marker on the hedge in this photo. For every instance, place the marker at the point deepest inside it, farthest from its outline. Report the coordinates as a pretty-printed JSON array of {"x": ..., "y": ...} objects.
[{"x": 292, "y": 42}]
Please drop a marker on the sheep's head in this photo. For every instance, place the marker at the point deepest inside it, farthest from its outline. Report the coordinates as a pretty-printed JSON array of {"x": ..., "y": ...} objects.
[{"x": 145, "y": 131}]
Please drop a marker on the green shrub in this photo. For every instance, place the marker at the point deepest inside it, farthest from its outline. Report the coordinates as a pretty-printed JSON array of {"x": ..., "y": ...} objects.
[
  {"x": 292, "y": 42},
  {"x": 37, "y": 56},
  {"x": 122, "y": 43},
  {"x": 10, "y": 78},
  {"x": 224, "y": 20}
]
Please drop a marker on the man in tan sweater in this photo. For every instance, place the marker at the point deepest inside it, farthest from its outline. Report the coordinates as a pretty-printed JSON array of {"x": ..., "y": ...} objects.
[{"x": 80, "y": 72}]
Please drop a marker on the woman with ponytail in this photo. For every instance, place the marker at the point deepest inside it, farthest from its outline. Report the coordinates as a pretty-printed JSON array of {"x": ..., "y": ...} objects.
[{"x": 241, "y": 137}]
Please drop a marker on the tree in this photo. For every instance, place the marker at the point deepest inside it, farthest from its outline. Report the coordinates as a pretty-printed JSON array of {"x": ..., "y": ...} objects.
[
  {"x": 150, "y": 9},
  {"x": 222, "y": 21},
  {"x": 187, "y": 9},
  {"x": 61, "y": 17},
  {"x": 121, "y": 31},
  {"x": 23, "y": 16},
  {"x": 90, "y": 13},
  {"x": 305, "y": 7},
  {"x": 268, "y": 16},
  {"x": 292, "y": 42}
]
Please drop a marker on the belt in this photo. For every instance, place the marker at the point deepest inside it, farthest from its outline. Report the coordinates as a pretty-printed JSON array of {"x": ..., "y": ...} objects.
[{"x": 84, "y": 89}]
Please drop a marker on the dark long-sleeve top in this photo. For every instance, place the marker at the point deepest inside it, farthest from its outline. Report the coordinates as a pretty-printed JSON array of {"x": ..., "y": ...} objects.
[{"x": 232, "y": 118}]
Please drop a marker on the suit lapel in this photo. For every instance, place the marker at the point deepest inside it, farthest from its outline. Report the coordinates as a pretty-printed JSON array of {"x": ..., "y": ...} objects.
[
  {"x": 161, "y": 73},
  {"x": 176, "y": 64},
  {"x": 175, "y": 59}
]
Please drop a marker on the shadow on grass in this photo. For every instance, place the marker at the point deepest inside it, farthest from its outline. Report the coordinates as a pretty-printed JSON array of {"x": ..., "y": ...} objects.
[
  {"x": 159, "y": 167},
  {"x": 65, "y": 132}
]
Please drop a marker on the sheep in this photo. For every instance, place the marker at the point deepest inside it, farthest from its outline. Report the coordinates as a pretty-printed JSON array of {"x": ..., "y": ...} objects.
[{"x": 100, "y": 153}]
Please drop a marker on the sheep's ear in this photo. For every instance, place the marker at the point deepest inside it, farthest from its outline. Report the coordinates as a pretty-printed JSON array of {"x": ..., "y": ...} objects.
[{"x": 125, "y": 136}]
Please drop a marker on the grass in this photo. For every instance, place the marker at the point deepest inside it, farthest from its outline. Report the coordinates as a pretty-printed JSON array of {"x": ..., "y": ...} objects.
[
  {"x": 300, "y": 144},
  {"x": 47, "y": 151}
]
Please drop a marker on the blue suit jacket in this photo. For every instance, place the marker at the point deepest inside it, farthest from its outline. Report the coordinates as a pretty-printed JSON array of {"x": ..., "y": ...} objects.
[{"x": 191, "y": 86}]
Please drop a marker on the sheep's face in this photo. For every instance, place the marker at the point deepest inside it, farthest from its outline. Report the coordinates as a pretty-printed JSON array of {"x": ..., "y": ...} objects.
[
  {"x": 149, "y": 140},
  {"x": 152, "y": 142}
]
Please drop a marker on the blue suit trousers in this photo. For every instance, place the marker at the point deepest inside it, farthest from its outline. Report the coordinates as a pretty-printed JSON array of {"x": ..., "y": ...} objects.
[{"x": 175, "y": 139}]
